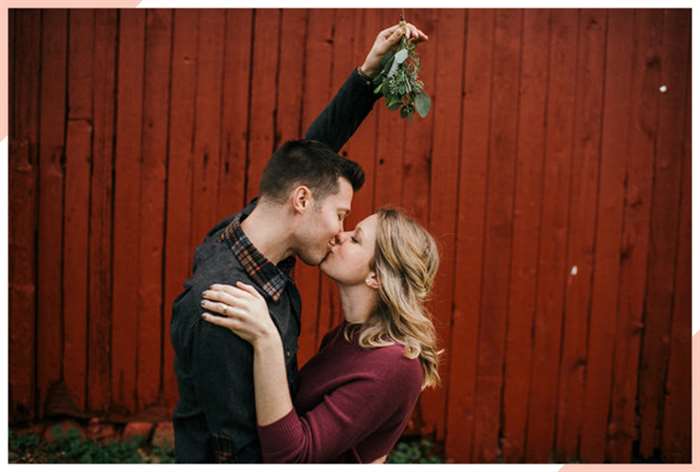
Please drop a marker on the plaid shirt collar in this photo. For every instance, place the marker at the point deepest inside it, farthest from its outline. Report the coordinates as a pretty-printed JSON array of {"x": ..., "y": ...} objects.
[{"x": 268, "y": 276}]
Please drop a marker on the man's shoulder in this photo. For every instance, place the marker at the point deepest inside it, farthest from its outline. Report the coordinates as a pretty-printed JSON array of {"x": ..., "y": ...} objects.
[{"x": 222, "y": 268}]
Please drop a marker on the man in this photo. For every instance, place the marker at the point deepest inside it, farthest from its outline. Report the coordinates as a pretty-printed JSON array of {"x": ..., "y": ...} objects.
[{"x": 305, "y": 193}]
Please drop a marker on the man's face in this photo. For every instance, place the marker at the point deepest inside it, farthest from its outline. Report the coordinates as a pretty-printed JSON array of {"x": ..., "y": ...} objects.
[{"x": 322, "y": 222}]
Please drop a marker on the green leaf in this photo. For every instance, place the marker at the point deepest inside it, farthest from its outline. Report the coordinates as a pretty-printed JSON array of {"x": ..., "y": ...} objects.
[
  {"x": 393, "y": 103},
  {"x": 401, "y": 56},
  {"x": 378, "y": 88},
  {"x": 394, "y": 68},
  {"x": 422, "y": 104},
  {"x": 386, "y": 63}
]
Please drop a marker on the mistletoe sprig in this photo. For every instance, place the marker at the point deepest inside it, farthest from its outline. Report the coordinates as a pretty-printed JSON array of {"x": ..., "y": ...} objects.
[{"x": 398, "y": 81}]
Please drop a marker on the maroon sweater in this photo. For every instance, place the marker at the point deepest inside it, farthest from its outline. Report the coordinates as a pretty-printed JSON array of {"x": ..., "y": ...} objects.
[{"x": 352, "y": 405}]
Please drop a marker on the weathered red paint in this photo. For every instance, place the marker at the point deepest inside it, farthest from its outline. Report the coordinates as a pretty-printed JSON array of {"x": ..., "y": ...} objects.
[{"x": 549, "y": 146}]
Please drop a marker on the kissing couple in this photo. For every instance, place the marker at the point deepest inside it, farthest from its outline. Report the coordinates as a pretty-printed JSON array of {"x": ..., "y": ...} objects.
[{"x": 235, "y": 327}]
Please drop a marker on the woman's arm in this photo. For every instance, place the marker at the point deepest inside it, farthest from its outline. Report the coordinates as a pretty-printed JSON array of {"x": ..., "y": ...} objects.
[
  {"x": 386, "y": 391},
  {"x": 272, "y": 399}
]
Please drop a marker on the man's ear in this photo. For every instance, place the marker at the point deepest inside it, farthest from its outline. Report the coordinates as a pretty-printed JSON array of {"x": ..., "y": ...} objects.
[
  {"x": 301, "y": 198},
  {"x": 372, "y": 280}
]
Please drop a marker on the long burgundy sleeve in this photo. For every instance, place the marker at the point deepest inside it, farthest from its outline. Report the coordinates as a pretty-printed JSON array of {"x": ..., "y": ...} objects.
[{"x": 352, "y": 405}]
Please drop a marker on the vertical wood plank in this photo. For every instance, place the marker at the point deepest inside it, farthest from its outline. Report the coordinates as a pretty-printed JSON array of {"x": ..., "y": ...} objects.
[
  {"x": 263, "y": 92},
  {"x": 604, "y": 297},
  {"x": 526, "y": 230},
  {"x": 75, "y": 267},
  {"x": 100, "y": 260},
  {"x": 50, "y": 231},
  {"x": 152, "y": 206},
  {"x": 391, "y": 132},
  {"x": 77, "y": 202},
  {"x": 127, "y": 196},
  {"x": 676, "y": 432},
  {"x": 438, "y": 142},
  {"x": 583, "y": 196},
  {"x": 634, "y": 252},
  {"x": 476, "y": 111},
  {"x": 80, "y": 81},
  {"x": 291, "y": 83},
  {"x": 551, "y": 266},
  {"x": 178, "y": 232},
  {"x": 234, "y": 127},
  {"x": 26, "y": 35},
  {"x": 416, "y": 192},
  {"x": 207, "y": 156},
  {"x": 663, "y": 238},
  {"x": 498, "y": 233}
]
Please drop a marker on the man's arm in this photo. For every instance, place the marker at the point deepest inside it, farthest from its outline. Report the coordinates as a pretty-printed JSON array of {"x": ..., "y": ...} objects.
[
  {"x": 224, "y": 384},
  {"x": 355, "y": 99},
  {"x": 344, "y": 114},
  {"x": 222, "y": 378}
]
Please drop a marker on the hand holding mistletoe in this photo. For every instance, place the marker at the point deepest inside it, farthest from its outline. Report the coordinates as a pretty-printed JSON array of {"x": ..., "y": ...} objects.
[{"x": 393, "y": 64}]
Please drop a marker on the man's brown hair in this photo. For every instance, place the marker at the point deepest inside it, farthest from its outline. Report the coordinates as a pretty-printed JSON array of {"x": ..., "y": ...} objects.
[{"x": 311, "y": 163}]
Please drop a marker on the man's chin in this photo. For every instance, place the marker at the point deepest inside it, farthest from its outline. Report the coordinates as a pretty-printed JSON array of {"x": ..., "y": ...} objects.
[{"x": 313, "y": 261}]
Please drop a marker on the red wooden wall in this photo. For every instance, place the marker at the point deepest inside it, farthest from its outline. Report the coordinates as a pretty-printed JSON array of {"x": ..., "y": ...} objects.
[{"x": 553, "y": 170}]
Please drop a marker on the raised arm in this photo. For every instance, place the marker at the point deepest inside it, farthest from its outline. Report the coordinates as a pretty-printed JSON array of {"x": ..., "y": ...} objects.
[{"x": 355, "y": 98}]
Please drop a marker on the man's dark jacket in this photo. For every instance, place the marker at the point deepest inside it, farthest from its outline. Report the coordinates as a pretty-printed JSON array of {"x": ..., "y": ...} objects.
[{"x": 215, "y": 416}]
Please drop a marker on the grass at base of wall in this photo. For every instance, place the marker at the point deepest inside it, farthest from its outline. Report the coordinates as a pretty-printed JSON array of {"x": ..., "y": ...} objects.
[
  {"x": 68, "y": 447},
  {"x": 415, "y": 451}
]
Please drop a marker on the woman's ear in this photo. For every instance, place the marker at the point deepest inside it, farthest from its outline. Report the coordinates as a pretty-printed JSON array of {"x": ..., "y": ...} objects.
[
  {"x": 372, "y": 280},
  {"x": 301, "y": 198}
]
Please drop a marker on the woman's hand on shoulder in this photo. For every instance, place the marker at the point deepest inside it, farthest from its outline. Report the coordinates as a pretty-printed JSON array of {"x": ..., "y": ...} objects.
[{"x": 243, "y": 310}]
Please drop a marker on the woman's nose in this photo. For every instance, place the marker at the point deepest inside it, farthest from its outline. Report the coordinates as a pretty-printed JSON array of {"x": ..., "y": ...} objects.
[{"x": 341, "y": 237}]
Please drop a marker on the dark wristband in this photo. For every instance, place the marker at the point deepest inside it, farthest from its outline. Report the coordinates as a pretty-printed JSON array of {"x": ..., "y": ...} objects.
[{"x": 363, "y": 76}]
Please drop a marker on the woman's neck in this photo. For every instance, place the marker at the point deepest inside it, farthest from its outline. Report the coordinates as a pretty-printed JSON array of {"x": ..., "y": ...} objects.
[{"x": 357, "y": 302}]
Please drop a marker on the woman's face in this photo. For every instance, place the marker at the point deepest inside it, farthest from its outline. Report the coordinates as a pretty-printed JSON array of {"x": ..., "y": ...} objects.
[{"x": 351, "y": 254}]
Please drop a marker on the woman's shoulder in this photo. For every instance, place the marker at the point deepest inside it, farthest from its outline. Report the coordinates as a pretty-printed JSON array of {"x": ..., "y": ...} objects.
[
  {"x": 331, "y": 335},
  {"x": 393, "y": 366},
  {"x": 395, "y": 354},
  {"x": 388, "y": 363}
]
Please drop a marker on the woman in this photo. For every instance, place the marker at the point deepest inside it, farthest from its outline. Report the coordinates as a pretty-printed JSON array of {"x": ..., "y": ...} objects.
[{"x": 355, "y": 396}]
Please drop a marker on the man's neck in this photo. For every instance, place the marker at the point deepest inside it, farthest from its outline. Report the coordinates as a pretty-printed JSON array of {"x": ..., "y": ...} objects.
[{"x": 266, "y": 227}]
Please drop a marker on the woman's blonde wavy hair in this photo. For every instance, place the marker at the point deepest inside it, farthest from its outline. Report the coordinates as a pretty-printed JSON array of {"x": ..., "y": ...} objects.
[{"x": 405, "y": 260}]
